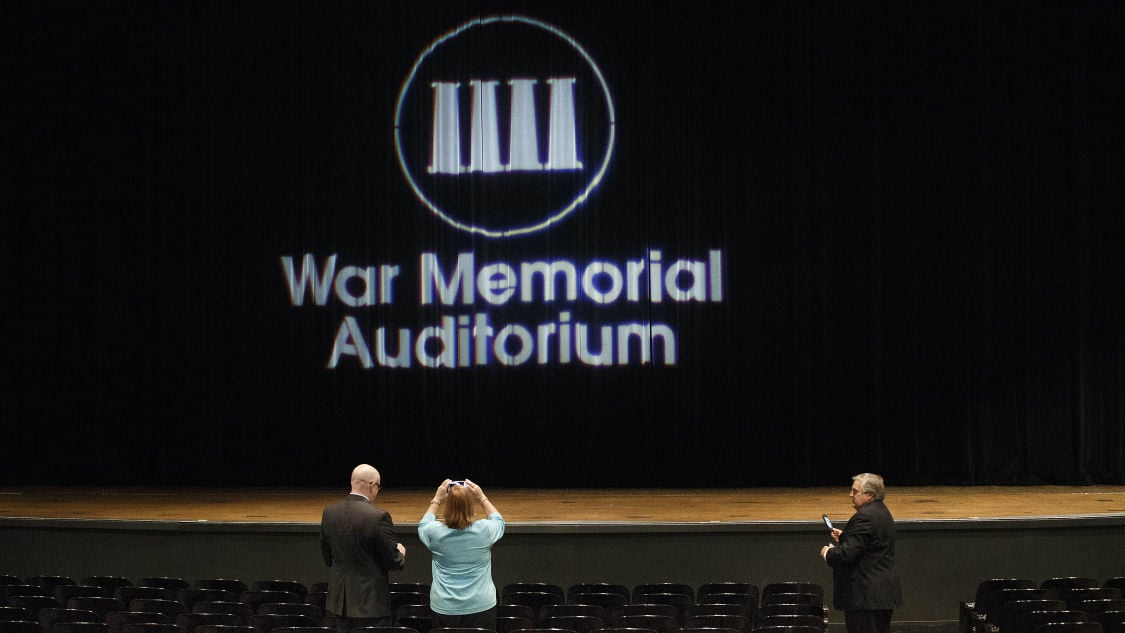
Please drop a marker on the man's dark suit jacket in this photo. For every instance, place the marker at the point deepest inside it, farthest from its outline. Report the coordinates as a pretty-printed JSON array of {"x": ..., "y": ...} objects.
[
  {"x": 863, "y": 564},
  {"x": 358, "y": 543}
]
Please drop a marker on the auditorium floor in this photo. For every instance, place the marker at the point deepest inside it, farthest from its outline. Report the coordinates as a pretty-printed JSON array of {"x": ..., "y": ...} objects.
[{"x": 532, "y": 506}]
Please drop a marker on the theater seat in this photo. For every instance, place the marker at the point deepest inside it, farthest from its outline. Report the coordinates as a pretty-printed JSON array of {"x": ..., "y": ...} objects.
[
  {"x": 998, "y": 599},
  {"x": 597, "y": 587},
  {"x": 644, "y": 608},
  {"x": 16, "y": 613},
  {"x": 607, "y": 600},
  {"x": 1069, "y": 627},
  {"x": 11, "y": 591},
  {"x": 658, "y": 623},
  {"x": 49, "y": 582},
  {"x": 191, "y": 596},
  {"x": 133, "y": 592},
  {"x": 47, "y": 617},
  {"x": 292, "y": 586},
  {"x": 109, "y": 583},
  {"x": 170, "y": 608},
  {"x": 534, "y": 599},
  {"x": 680, "y": 601},
  {"x": 1027, "y": 622},
  {"x": 461, "y": 629},
  {"x": 1069, "y": 582},
  {"x": 232, "y": 585},
  {"x": 1111, "y": 619},
  {"x": 305, "y": 629},
  {"x": 419, "y": 623},
  {"x": 743, "y": 599},
  {"x": 63, "y": 593},
  {"x": 79, "y": 627},
  {"x": 149, "y": 627},
  {"x": 740, "y": 623},
  {"x": 745, "y": 588},
  {"x": 507, "y": 624},
  {"x": 576, "y": 623},
  {"x": 101, "y": 605},
  {"x": 793, "y": 620},
  {"x": 1092, "y": 593},
  {"x": 533, "y": 587},
  {"x": 560, "y": 610},
  {"x": 257, "y": 598},
  {"x": 792, "y": 609},
  {"x": 1011, "y": 611},
  {"x": 116, "y": 620},
  {"x": 384, "y": 629},
  {"x": 793, "y": 598},
  {"x": 34, "y": 603},
  {"x": 188, "y": 622},
  {"x": 793, "y": 586},
  {"x": 310, "y": 611},
  {"x": 662, "y": 587},
  {"x": 515, "y": 611},
  {"x": 266, "y": 622},
  {"x": 1094, "y": 608},
  {"x": 1116, "y": 581},
  {"x": 171, "y": 584},
  {"x": 242, "y": 610},
  {"x": 789, "y": 629},
  {"x": 986, "y": 588},
  {"x": 225, "y": 628},
  {"x": 717, "y": 609},
  {"x": 399, "y": 599}
]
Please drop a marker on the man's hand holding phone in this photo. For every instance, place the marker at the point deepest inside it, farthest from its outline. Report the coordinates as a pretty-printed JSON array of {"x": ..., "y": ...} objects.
[{"x": 832, "y": 531}]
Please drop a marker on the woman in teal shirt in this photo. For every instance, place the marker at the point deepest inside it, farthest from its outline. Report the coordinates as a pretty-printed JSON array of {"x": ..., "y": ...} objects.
[{"x": 462, "y": 593}]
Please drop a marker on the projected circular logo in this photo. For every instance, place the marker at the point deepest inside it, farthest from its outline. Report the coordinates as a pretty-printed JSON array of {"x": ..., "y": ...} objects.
[{"x": 504, "y": 126}]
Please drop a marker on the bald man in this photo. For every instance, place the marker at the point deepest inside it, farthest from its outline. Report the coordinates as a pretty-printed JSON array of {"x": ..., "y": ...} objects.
[{"x": 358, "y": 542}]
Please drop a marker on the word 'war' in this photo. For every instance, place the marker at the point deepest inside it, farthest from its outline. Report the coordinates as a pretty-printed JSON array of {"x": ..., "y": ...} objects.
[
  {"x": 472, "y": 341},
  {"x": 646, "y": 279}
]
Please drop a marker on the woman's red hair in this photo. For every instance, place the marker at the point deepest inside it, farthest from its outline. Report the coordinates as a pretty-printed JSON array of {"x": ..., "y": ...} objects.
[{"x": 458, "y": 508}]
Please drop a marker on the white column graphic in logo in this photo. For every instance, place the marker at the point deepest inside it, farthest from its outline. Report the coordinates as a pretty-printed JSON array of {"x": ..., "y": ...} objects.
[
  {"x": 484, "y": 148},
  {"x": 524, "y": 118}
]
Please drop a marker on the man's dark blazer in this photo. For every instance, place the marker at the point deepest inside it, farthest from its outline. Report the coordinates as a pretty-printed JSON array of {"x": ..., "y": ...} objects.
[
  {"x": 863, "y": 564},
  {"x": 358, "y": 543}
]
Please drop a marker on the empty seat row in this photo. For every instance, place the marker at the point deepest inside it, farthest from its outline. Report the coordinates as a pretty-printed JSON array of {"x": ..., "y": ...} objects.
[
  {"x": 221, "y": 615},
  {"x": 740, "y": 604},
  {"x": 1020, "y": 605},
  {"x": 585, "y": 619},
  {"x": 110, "y": 583},
  {"x": 120, "y": 594},
  {"x": 730, "y": 591},
  {"x": 713, "y": 611},
  {"x": 246, "y": 603},
  {"x": 682, "y": 595},
  {"x": 678, "y": 601},
  {"x": 783, "y": 628},
  {"x": 148, "y": 627}
]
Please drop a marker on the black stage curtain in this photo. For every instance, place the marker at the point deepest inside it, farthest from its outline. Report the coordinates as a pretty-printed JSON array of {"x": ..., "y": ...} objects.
[{"x": 918, "y": 208}]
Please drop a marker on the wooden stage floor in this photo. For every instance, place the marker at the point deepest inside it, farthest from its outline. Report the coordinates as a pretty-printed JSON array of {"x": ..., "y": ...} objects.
[{"x": 568, "y": 506}]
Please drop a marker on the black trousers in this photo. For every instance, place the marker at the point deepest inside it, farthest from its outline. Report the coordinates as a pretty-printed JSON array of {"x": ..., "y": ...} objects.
[
  {"x": 868, "y": 621},
  {"x": 481, "y": 620}
]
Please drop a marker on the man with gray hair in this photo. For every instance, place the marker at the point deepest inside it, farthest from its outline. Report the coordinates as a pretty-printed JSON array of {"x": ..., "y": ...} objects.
[
  {"x": 864, "y": 583},
  {"x": 358, "y": 542}
]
